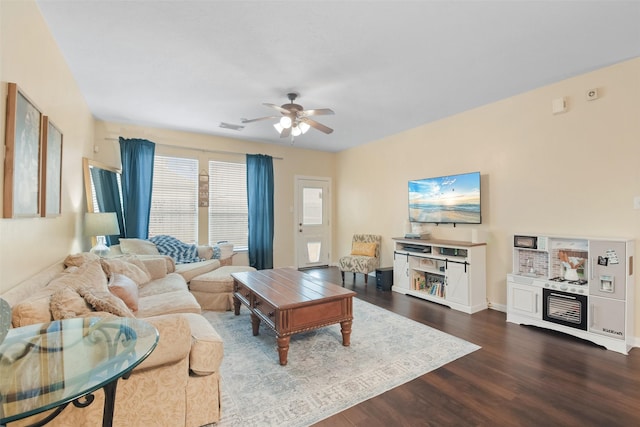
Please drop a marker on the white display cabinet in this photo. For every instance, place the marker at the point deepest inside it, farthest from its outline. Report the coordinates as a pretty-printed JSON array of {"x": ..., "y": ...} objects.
[{"x": 452, "y": 273}]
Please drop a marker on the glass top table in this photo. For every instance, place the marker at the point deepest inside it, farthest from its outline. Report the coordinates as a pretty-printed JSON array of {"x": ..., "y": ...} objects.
[{"x": 50, "y": 365}]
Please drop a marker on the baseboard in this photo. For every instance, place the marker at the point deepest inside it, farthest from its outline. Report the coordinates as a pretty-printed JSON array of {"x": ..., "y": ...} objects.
[{"x": 497, "y": 307}]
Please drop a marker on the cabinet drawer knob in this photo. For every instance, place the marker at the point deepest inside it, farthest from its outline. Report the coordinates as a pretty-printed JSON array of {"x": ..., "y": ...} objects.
[{"x": 271, "y": 314}]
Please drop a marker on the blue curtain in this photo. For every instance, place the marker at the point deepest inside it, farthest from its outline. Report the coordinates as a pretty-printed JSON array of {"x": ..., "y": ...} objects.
[
  {"x": 108, "y": 197},
  {"x": 137, "y": 182},
  {"x": 260, "y": 206}
]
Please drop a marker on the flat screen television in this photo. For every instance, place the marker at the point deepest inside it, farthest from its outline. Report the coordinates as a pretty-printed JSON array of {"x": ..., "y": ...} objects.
[{"x": 453, "y": 199}]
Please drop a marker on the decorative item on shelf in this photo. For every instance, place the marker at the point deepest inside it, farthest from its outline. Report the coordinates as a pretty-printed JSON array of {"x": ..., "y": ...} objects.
[
  {"x": 203, "y": 189},
  {"x": 99, "y": 225}
]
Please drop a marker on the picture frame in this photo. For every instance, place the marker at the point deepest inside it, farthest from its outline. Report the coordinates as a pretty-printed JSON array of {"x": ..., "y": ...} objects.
[
  {"x": 22, "y": 166},
  {"x": 51, "y": 176}
]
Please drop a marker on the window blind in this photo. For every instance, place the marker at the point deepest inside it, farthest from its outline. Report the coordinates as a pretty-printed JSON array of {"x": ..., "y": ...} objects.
[
  {"x": 174, "y": 202},
  {"x": 228, "y": 214}
]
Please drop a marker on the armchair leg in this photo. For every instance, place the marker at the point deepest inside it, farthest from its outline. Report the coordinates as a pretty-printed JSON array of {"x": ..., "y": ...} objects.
[
  {"x": 366, "y": 276},
  {"x": 354, "y": 278},
  {"x": 342, "y": 274}
]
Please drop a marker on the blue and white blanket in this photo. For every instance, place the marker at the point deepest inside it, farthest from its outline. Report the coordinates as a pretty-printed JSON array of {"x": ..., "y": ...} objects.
[{"x": 182, "y": 253}]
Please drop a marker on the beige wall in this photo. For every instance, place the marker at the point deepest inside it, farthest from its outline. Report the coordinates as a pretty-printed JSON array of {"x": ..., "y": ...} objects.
[
  {"x": 571, "y": 174},
  {"x": 292, "y": 161},
  {"x": 31, "y": 58}
]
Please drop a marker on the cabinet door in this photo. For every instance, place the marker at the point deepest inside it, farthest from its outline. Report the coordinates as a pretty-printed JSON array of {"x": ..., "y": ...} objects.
[
  {"x": 607, "y": 317},
  {"x": 457, "y": 279},
  {"x": 400, "y": 271},
  {"x": 524, "y": 300}
]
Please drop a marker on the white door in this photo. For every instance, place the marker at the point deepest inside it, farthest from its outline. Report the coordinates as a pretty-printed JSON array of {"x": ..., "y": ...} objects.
[{"x": 312, "y": 221}]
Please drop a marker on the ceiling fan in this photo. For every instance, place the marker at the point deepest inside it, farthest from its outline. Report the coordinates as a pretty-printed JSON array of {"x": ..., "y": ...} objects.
[{"x": 294, "y": 120}]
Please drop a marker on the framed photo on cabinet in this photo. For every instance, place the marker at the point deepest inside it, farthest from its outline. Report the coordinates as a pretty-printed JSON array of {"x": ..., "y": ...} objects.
[
  {"x": 51, "y": 181},
  {"x": 22, "y": 156}
]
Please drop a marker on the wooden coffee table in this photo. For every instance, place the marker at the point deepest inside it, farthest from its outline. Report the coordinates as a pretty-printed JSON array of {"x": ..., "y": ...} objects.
[{"x": 290, "y": 302}]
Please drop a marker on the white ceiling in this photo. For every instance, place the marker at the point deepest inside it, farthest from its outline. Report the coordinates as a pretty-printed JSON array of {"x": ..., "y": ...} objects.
[{"x": 382, "y": 66}]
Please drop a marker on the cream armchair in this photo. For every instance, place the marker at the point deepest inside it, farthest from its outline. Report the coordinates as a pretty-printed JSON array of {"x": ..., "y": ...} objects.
[{"x": 364, "y": 257}]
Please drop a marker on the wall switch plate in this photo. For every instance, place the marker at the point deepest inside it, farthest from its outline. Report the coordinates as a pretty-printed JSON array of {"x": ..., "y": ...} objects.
[
  {"x": 636, "y": 202},
  {"x": 558, "y": 105}
]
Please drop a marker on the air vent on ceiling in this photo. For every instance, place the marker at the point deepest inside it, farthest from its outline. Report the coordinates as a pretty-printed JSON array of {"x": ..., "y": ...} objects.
[{"x": 224, "y": 125}]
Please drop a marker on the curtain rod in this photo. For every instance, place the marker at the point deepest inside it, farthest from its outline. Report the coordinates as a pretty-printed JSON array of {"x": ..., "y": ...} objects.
[{"x": 199, "y": 149}]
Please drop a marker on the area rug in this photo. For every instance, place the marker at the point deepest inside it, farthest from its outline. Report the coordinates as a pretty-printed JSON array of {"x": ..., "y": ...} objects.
[{"x": 322, "y": 377}]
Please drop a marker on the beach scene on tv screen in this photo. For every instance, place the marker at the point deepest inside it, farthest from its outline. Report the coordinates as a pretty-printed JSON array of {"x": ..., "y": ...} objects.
[{"x": 446, "y": 199}]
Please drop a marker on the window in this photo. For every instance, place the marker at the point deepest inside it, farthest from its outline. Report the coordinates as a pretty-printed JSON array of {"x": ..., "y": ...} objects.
[
  {"x": 228, "y": 214},
  {"x": 174, "y": 202}
]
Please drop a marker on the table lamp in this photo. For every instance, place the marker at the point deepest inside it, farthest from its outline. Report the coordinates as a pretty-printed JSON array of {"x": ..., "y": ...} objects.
[{"x": 101, "y": 224}]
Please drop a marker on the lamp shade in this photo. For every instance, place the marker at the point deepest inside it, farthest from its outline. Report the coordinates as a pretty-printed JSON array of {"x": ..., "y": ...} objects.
[{"x": 101, "y": 224}]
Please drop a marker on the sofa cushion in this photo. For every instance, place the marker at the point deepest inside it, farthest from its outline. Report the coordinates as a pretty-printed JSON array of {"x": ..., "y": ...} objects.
[
  {"x": 67, "y": 303},
  {"x": 138, "y": 246},
  {"x": 189, "y": 271},
  {"x": 167, "y": 303},
  {"x": 170, "y": 283},
  {"x": 157, "y": 265},
  {"x": 207, "y": 349},
  {"x": 125, "y": 289},
  {"x": 128, "y": 266}
]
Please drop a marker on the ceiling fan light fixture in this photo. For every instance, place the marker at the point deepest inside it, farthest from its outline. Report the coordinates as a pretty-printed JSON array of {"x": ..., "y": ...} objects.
[
  {"x": 285, "y": 122},
  {"x": 278, "y": 127},
  {"x": 295, "y": 131},
  {"x": 303, "y": 127}
]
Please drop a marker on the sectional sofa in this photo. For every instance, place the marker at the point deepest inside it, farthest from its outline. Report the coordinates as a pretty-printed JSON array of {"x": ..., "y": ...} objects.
[{"x": 178, "y": 384}]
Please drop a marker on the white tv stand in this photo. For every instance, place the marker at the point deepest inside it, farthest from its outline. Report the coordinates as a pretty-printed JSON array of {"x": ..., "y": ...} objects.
[{"x": 451, "y": 273}]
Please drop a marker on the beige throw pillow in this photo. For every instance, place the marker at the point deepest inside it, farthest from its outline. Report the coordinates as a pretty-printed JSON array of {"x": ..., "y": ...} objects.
[
  {"x": 125, "y": 289},
  {"x": 138, "y": 246},
  {"x": 77, "y": 260},
  {"x": 105, "y": 301},
  {"x": 66, "y": 303},
  {"x": 126, "y": 267},
  {"x": 363, "y": 249},
  {"x": 37, "y": 308}
]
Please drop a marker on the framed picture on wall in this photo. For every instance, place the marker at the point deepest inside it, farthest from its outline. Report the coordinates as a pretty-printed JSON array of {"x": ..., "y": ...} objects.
[
  {"x": 51, "y": 181},
  {"x": 22, "y": 156}
]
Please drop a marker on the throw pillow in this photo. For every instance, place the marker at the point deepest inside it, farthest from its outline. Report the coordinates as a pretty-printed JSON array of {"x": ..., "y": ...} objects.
[
  {"x": 138, "y": 246},
  {"x": 125, "y": 289},
  {"x": 105, "y": 301},
  {"x": 112, "y": 266},
  {"x": 364, "y": 249},
  {"x": 37, "y": 308},
  {"x": 77, "y": 260},
  {"x": 88, "y": 274},
  {"x": 66, "y": 303}
]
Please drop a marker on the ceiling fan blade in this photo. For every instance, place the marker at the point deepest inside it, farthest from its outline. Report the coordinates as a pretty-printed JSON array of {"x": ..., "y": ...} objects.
[
  {"x": 317, "y": 112},
  {"x": 316, "y": 125},
  {"x": 277, "y": 107},
  {"x": 258, "y": 119},
  {"x": 285, "y": 132}
]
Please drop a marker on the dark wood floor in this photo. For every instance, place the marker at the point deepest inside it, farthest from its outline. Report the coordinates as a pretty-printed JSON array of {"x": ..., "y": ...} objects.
[{"x": 522, "y": 376}]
